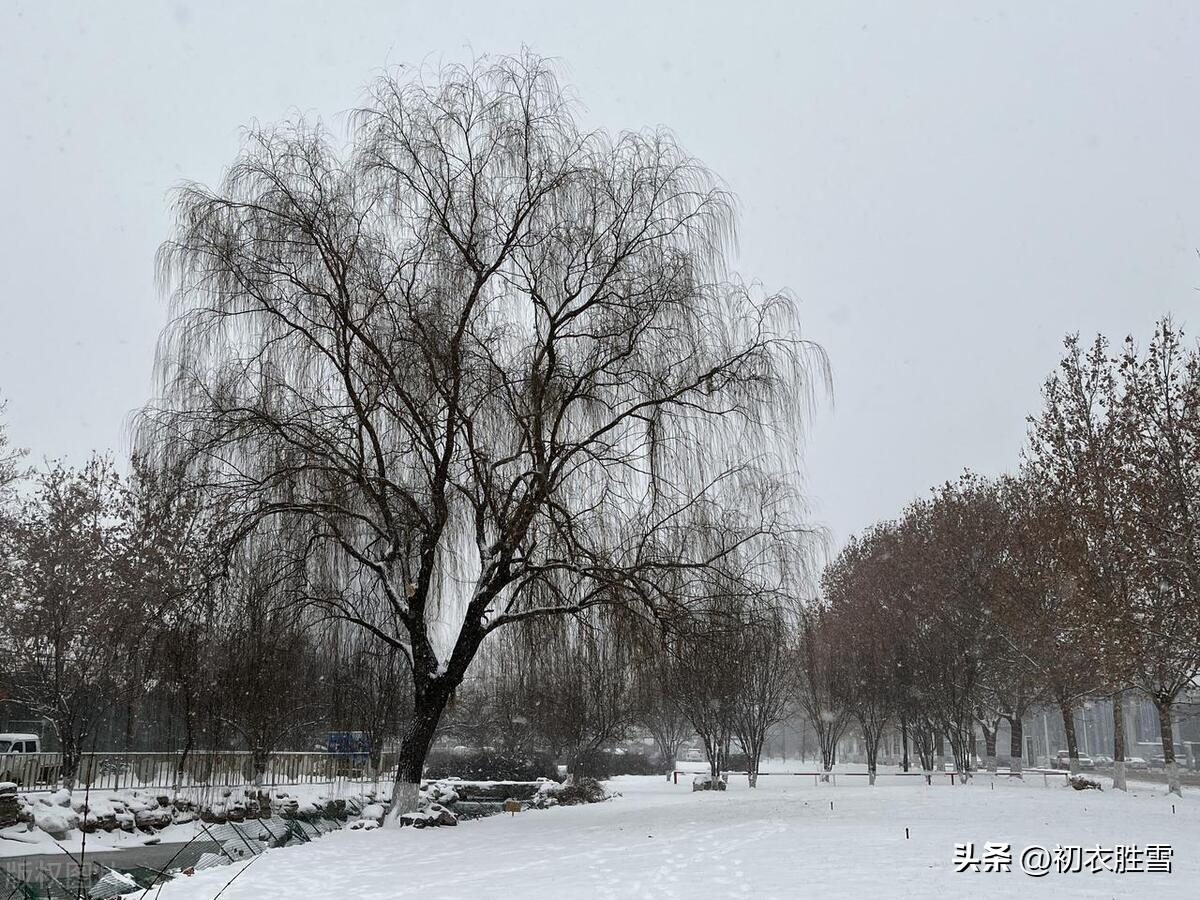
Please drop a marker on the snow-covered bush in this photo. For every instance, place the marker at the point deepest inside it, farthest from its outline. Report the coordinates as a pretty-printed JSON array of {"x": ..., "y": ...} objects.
[
  {"x": 489, "y": 765},
  {"x": 581, "y": 790}
]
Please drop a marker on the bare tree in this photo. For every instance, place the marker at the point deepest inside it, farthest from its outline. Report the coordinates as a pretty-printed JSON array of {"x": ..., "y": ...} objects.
[
  {"x": 709, "y": 670},
  {"x": 658, "y": 705},
  {"x": 1074, "y": 468},
  {"x": 66, "y": 612},
  {"x": 268, "y": 658},
  {"x": 867, "y": 625},
  {"x": 577, "y": 691},
  {"x": 10, "y": 458},
  {"x": 369, "y": 693},
  {"x": 493, "y": 363},
  {"x": 1159, "y": 447},
  {"x": 1116, "y": 448},
  {"x": 768, "y": 666},
  {"x": 820, "y": 690}
]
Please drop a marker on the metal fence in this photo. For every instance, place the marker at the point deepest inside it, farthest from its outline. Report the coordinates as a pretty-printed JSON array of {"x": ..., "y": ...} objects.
[{"x": 202, "y": 771}]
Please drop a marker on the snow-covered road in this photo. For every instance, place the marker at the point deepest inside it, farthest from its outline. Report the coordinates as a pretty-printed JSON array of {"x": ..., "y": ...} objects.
[{"x": 783, "y": 840}]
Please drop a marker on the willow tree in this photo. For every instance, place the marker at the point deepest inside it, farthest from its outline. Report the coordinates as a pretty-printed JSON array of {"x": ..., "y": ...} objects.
[
  {"x": 489, "y": 364},
  {"x": 10, "y": 457}
]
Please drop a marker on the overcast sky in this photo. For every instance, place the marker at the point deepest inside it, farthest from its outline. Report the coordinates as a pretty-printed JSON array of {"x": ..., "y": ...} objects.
[{"x": 947, "y": 188}]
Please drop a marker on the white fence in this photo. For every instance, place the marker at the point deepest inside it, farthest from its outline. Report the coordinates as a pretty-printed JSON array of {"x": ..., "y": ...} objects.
[{"x": 202, "y": 771}]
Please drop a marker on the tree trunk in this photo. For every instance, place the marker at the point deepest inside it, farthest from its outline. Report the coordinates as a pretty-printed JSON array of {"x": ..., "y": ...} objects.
[
  {"x": 188, "y": 740},
  {"x": 753, "y": 749},
  {"x": 1168, "y": 744},
  {"x": 668, "y": 749},
  {"x": 828, "y": 741},
  {"x": 712, "y": 753},
  {"x": 939, "y": 744},
  {"x": 70, "y": 764},
  {"x": 259, "y": 756},
  {"x": 960, "y": 748},
  {"x": 1118, "y": 710},
  {"x": 904, "y": 745},
  {"x": 429, "y": 703},
  {"x": 1068, "y": 717},
  {"x": 1016, "y": 747},
  {"x": 872, "y": 747},
  {"x": 989, "y": 744}
]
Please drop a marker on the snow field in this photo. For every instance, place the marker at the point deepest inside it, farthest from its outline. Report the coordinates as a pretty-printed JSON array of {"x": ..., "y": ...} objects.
[{"x": 782, "y": 840}]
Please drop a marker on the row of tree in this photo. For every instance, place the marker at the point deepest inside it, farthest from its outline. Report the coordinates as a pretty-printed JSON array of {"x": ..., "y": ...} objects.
[
  {"x": 132, "y": 622},
  {"x": 1078, "y": 576},
  {"x": 128, "y": 620}
]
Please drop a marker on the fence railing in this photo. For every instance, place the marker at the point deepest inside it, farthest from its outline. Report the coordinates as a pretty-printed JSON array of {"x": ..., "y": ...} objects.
[
  {"x": 831, "y": 777},
  {"x": 198, "y": 771}
]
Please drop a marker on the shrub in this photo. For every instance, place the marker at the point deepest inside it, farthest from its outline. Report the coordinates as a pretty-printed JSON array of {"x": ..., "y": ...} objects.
[
  {"x": 606, "y": 764},
  {"x": 737, "y": 762},
  {"x": 582, "y": 790},
  {"x": 489, "y": 765}
]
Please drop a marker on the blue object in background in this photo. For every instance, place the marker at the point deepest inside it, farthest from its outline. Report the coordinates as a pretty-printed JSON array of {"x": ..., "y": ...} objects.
[{"x": 353, "y": 746}]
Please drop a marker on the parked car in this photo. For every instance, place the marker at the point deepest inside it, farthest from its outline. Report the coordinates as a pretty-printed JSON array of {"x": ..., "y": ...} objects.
[
  {"x": 1103, "y": 761},
  {"x": 22, "y": 760},
  {"x": 20, "y": 743},
  {"x": 694, "y": 755},
  {"x": 1062, "y": 760},
  {"x": 1136, "y": 764}
]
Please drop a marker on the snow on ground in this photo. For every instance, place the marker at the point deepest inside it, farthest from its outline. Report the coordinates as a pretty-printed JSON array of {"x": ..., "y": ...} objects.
[{"x": 782, "y": 840}]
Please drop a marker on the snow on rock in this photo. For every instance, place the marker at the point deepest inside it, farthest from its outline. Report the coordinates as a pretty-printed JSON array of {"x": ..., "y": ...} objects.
[
  {"x": 429, "y": 816},
  {"x": 439, "y": 792},
  {"x": 12, "y": 807},
  {"x": 54, "y": 819},
  {"x": 373, "y": 812},
  {"x": 61, "y": 797},
  {"x": 708, "y": 783}
]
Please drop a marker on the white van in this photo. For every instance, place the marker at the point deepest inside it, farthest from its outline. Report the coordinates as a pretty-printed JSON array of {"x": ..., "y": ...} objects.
[
  {"x": 19, "y": 761},
  {"x": 20, "y": 743}
]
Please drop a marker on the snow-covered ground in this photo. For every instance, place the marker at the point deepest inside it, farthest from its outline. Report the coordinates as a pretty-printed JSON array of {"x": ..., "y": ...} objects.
[{"x": 782, "y": 840}]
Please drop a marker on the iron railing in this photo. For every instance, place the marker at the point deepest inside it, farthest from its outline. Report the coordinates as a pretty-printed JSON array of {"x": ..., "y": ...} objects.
[{"x": 207, "y": 770}]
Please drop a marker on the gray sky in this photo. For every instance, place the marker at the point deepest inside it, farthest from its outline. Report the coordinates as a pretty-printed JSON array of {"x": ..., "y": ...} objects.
[{"x": 948, "y": 188}]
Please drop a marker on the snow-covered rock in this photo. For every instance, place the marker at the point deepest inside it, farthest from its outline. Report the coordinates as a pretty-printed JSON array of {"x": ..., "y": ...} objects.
[
  {"x": 708, "y": 783},
  {"x": 373, "y": 812},
  {"x": 54, "y": 819},
  {"x": 432, "y": 815}
]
